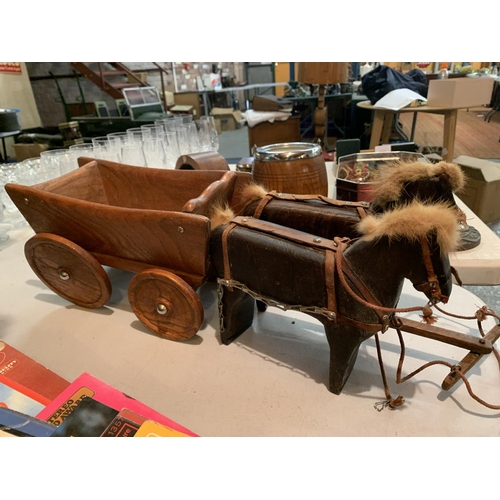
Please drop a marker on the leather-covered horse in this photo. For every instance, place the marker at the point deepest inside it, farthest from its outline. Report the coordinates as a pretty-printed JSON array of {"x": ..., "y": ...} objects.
[{"x": 260, "y": 260}]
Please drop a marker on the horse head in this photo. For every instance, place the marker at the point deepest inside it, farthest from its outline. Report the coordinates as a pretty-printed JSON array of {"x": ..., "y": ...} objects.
[
  {"x": 432, "y": 230},
  {"x": 399, "y": 183}
]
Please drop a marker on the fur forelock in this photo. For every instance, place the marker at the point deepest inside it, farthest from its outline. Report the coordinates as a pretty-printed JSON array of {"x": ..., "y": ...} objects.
[
  {"x": 412, "y": 222},
  {"x": 391, "y": 178}
]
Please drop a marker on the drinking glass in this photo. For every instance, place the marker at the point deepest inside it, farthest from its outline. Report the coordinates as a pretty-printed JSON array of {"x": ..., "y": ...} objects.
[
  {"x": 116, "y": 141},
  {"x": 151, "y": 131},
  {"x": 205, "y": 144},
  {"x": 51, "y": 160},
  {"x": 171, "y": 147},
  {"x": 77, "y": 151},
  {"x": 133, "y": 154},
  {"x": 172, "y": 123},
  {"x": 186, "y": 119},
  {"x": 182, "y": 140},
  {"x": 100, "y": 144},
  {"x": 154, "y": 152},
  {"x": 214, "y": 136},
  {"x": 134, "y": 134},
  {"x": 193, "y": 142},
  {"x": 29, "y": 172},
  {"x": 9, "y": 174}
]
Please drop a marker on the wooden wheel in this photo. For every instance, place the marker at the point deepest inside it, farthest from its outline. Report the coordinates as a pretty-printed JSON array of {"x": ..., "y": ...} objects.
[
  {"x": 68, "y": 270},
  {"x": 166, "y": 304}
]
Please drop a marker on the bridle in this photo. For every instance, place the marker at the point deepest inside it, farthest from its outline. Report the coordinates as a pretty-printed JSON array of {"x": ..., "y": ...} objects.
[{"x": 432, "y": 284}]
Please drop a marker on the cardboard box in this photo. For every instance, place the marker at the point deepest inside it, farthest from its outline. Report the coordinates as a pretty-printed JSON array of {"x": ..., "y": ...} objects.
[
  {"x": 218, "y": 126},
  {"x": 230, "y": 119},
  {"x": 482, "y": 189},
  {"x": 26, "y": 151},
  {"x": 143, "y": 76},
  {"x": 464, "y": 92},
  {"x": 323, "y": 73}
]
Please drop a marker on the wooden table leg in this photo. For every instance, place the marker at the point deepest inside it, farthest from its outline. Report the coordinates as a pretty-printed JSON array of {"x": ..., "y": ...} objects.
[
  {"x": 377, "y": 125},
  {"x": 450, "y": 127},
  {"x": 386, "y": 131}
]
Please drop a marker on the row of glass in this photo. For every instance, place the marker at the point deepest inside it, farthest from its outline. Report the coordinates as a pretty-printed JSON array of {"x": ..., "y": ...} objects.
[{"x": 160, "y": 144}]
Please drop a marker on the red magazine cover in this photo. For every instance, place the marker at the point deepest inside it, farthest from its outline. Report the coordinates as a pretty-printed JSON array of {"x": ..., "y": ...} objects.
[
  {"x": 88, "y": 386},
  {"x": 26, "y": 372}
]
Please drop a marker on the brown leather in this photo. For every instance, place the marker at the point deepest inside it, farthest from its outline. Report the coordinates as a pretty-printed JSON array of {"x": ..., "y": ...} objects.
[
  {"x": 361, "y": 212},
  {"x": 227, "y": 267},
  {"x": 358, "y": 283},
  {"x": 262, "y": 205},
  {"x": 432, "y": 283},
  {"x": 330, "y": 280},
  {"x": 284, "y": 232},
  {"x": 315, "y": 197}
]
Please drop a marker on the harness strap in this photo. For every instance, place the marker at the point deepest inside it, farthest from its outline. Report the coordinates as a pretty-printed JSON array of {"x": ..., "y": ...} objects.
[
  {"x": 262, "y": 204},
  {"x": 359, "y": 205},
  {"x": 432, "y": 283},
  {"x": 331, "y": 299},
  {"x": 358, "y": 283},
  {"x": 361, "y": 212},
  {"x": 284, "y": 232},
  {"x": 225, "y": 255}
]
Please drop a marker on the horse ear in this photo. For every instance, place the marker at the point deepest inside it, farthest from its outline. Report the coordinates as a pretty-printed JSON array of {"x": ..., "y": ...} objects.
[{"x": 453, "y": 173}]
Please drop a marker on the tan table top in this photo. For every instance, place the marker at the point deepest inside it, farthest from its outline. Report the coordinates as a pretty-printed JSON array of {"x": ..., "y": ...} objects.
[{"x": 411, "y": 109}]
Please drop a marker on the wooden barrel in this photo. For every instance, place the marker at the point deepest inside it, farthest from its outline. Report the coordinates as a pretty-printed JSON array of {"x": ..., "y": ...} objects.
[{"x": 293, "y": 167}]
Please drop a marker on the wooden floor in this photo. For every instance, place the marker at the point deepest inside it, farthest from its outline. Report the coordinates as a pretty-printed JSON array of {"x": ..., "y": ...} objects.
[{"x": 474, "y": 136}]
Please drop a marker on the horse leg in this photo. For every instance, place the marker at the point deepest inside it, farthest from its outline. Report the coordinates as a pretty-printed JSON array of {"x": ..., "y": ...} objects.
[
  {"x": 261, "y": 306},
  {"x": 344, "y": 341},
  {"x": 236, "y": 312}
]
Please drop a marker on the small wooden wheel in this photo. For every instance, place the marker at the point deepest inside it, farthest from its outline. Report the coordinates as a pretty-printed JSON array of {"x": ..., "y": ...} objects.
[
  {"x": 68, "y": 270},
  {"x": 166, "y": 304}
]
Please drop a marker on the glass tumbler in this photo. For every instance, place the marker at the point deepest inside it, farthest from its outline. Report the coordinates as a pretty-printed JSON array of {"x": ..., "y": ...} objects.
[{"x": 133, "y": 154}]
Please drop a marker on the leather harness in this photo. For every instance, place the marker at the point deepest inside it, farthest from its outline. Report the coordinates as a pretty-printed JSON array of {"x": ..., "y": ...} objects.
[
  {"x": 334, "y": 260},
  {"x": 272, "y": 195}
]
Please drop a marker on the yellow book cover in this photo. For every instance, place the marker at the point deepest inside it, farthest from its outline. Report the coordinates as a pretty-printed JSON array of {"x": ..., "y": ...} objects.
[{"x": 153, "y": 429}]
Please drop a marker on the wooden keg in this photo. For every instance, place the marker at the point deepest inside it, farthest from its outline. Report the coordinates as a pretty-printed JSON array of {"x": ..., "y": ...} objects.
[{"x": 293, "y": 167}]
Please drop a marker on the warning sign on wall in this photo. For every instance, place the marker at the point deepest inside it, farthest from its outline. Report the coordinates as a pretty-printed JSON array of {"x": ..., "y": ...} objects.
[{"x": 10, "y": 67}]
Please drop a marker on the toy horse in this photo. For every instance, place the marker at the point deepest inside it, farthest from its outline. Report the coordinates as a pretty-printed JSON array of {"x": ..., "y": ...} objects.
[
  {"x": 397, "y": 184},
  {"x": 325, "y": 278}
]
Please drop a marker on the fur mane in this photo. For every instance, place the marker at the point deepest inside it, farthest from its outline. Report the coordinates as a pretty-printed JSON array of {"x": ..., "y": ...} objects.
[
  {"x": 392, "y": 177},
  {"x": 253, "y": 191},
  {"x": 220, "y": 215},
  {"x": 412, "y": 222}
]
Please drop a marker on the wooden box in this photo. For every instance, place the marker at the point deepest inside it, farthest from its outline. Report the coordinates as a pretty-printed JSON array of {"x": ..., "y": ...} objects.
[{"x": 266, "y": 133}]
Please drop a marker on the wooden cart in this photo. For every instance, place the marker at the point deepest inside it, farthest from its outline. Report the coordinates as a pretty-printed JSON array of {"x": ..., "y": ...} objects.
[{"x": 152, "y": 222}]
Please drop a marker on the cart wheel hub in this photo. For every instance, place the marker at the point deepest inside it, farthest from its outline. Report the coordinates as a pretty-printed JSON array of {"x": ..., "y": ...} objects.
[
  {"x": 161, "y": 309},
  {"x": 64, "y": 275}
]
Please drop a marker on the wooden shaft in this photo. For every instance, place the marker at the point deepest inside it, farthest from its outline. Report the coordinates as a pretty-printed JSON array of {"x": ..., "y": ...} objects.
[
  {"x": 474, "y": 344},
  {"x": 469, "y": 361}
]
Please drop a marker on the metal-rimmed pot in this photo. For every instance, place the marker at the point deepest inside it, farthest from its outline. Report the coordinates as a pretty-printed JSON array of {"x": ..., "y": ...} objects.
[
  {"x": 356, "y": 173},
  {"x": 291, "y": 167},
  {"x": 9, "y": 120}
]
